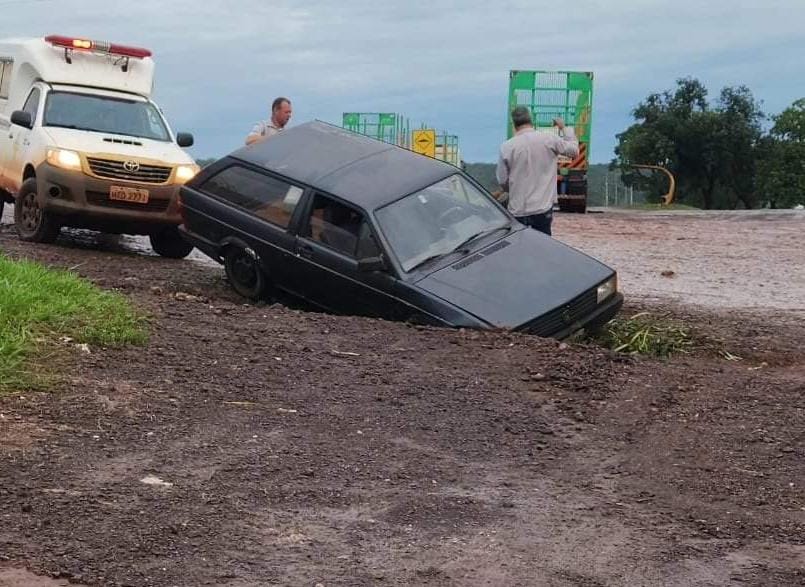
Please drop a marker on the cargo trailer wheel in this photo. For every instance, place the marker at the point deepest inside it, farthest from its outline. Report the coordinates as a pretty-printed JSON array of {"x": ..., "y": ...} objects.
[
  {"x": 244, "y": 273},
  {"x": 169, "y": 243},
  {"x": 33, "y": 223}
]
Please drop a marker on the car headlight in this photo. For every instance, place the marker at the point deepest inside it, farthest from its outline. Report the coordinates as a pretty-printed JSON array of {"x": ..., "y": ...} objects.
[
  {"x": 608, "y": 288},
  {"x": 185, "y": 173},
  {"x": 64, "y": 159}
]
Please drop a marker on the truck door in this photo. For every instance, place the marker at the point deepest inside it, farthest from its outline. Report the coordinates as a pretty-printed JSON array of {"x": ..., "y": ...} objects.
[
  {"x": 6, "y": 66},
  {"x": 18, "y": 142}
]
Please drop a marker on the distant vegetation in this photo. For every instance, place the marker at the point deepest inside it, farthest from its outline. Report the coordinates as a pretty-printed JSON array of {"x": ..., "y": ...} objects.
[
  {"x": 718, "y": 151},
  {"x": 204, "y": 162}
]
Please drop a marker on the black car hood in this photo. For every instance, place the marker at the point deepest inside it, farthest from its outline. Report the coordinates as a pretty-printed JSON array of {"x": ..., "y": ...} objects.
[{"x": 516, "y": 279}]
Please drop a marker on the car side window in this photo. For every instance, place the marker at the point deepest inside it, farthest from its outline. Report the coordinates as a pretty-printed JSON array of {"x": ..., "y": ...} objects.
[
  {"x": 367, "y": 245},
  {"x": 32, "y": 104},
  {"x": 334, "y": 224},
  {"x": 265, "y": 196}
]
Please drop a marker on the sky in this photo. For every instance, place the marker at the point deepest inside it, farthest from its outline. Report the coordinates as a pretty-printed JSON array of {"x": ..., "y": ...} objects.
[{"x": 444, "y": 63}]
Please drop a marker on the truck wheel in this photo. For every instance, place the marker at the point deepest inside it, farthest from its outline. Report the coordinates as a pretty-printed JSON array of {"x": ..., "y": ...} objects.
[
  {"x": 244, "y": 273},
  {"x": 33, "y": 223},
  {"x": 169, "y": 243}
]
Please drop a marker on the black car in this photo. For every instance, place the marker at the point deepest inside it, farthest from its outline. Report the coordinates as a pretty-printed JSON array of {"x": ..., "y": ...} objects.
[{"x": 358, "y": 226}]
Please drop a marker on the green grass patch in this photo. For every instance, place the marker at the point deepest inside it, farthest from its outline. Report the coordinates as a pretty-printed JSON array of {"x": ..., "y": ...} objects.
[
  {"x": 41, "y": 308},
  {"x": 645, "y": 334}
]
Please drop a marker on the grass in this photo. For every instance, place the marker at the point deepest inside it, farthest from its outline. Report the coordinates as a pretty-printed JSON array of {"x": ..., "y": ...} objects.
[
  {"x": 42, "y": 309},
  {"x": 644, "y": 334}
]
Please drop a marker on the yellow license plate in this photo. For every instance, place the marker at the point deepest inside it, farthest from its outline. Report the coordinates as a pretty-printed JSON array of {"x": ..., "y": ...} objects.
[{"x": 127, "y": 194}]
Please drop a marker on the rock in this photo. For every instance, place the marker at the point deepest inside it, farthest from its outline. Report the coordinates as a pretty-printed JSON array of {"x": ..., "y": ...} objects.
[{"x": 155, "y": 481}]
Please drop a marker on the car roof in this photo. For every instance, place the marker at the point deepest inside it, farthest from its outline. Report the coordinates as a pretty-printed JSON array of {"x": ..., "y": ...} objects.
[{"x": 349, "y": 165}]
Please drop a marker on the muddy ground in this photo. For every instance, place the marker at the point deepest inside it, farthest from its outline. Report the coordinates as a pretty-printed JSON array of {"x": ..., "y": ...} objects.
[{"x": 263, "y": 445}]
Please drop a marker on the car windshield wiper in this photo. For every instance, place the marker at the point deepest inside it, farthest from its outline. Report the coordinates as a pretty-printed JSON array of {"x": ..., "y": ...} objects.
[
  {"x": 478, "y": 235},
  {"x": 426, "y": 260},
  {"x": 461, "y": 245}
]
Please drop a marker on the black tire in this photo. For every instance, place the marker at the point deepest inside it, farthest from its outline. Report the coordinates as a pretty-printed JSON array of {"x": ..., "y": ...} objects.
[
  {"x": 169, "y": 243},
  {"x": 33, "y": 223},
  {"x": 244, "y": 273}
]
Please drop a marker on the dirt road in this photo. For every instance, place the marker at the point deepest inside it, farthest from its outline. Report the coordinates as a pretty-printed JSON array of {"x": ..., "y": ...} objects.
[{"x": 261, "y": 445}]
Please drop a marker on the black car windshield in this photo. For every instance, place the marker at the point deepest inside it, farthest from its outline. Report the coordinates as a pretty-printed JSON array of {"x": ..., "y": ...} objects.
[
  {"x": 104, "y": 114},
  {"x": 435, "y": 221}
]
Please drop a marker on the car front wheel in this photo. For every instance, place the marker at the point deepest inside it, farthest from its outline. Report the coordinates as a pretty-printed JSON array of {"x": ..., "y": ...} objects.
[
  {"x": 244, "y": 273},
  {"x": 33, "y": 223},
  {"x": 169, "y": 243}
]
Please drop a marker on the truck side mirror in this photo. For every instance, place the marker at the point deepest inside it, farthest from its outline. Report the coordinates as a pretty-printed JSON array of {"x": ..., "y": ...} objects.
[
  {"x": 22, "y": 118},
  {"x": 184, "y": 139}
]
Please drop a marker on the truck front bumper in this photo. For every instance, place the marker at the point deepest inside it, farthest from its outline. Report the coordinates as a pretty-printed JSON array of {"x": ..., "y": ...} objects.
[{"x": 82, "y": 201}]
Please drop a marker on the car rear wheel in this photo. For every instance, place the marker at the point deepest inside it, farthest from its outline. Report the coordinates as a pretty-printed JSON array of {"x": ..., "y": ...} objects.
[
  {"x": 33, "y": 223},
  {"x": 244, "y": 273},
  {"x": 169, "y": 243}
]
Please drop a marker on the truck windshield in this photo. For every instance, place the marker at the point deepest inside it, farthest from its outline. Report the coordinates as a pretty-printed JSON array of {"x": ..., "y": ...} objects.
[
  {"x": 104, "y": 114},
  {"x": 439, "y": 220}
]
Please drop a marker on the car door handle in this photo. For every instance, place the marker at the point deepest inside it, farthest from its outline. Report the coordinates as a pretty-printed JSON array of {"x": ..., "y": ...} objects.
[{"x": 305, "y": 251}]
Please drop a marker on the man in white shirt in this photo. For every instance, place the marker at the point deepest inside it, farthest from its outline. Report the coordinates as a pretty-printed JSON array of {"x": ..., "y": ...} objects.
[
  {"x": 527, "y": 168},
  {"x": 280, "y": 115}
]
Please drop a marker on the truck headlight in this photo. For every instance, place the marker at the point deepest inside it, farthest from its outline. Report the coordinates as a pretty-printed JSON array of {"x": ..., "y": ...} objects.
[
  {"x": 608, "y": 288},
  {"x": 185, "y": 173},
  {"x": 64, "y": 159}
]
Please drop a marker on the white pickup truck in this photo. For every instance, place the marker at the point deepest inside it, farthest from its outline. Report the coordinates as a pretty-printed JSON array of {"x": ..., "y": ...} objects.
[{"x": 83, "y": 145}]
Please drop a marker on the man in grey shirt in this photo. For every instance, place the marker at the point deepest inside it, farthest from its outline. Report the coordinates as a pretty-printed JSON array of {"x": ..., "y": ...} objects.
[
  {"x": 527, "y": 168},
  {"x": 280, "y": 115}
]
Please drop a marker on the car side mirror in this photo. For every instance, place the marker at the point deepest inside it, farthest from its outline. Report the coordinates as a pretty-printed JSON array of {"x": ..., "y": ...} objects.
[
  {"x": 22, "y": 118},
  {"x": 184, "y": 139},
  {"x": 369, "y": 264}
]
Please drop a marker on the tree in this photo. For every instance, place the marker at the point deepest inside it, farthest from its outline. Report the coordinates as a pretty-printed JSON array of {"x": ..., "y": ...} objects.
[
  {"x": 709, "y": 149},
  {"x": 781, "y": 166}
]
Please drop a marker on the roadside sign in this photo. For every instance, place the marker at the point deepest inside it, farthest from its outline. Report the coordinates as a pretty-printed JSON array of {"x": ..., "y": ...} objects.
[{"x": 424, "y": 142}]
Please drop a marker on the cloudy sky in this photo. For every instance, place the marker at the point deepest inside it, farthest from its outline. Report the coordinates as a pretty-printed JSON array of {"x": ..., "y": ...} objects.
[{"x": 443, "y": 62}]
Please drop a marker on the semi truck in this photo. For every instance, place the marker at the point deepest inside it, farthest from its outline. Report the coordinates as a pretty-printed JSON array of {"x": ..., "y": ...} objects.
[{"x": 559, "y": 94}]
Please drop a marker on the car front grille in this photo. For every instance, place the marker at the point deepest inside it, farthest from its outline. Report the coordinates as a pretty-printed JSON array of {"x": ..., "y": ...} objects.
[
  {"x": 102, "y": 199},
  {"x": 563, "y": 316},
  {"x": 111, "y": 169}
]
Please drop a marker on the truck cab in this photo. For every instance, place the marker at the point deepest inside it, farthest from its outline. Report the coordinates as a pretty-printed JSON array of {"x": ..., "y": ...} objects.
[{"x": 82, "y": 144}]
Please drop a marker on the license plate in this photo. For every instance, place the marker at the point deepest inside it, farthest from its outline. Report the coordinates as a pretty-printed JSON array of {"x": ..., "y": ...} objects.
[{"x": 127, "y": 194}]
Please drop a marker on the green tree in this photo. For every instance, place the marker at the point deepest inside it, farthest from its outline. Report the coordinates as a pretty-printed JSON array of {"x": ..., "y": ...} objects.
[
  {"x": 710, "y": 149},
  {"x": 781, "y": 165}
]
